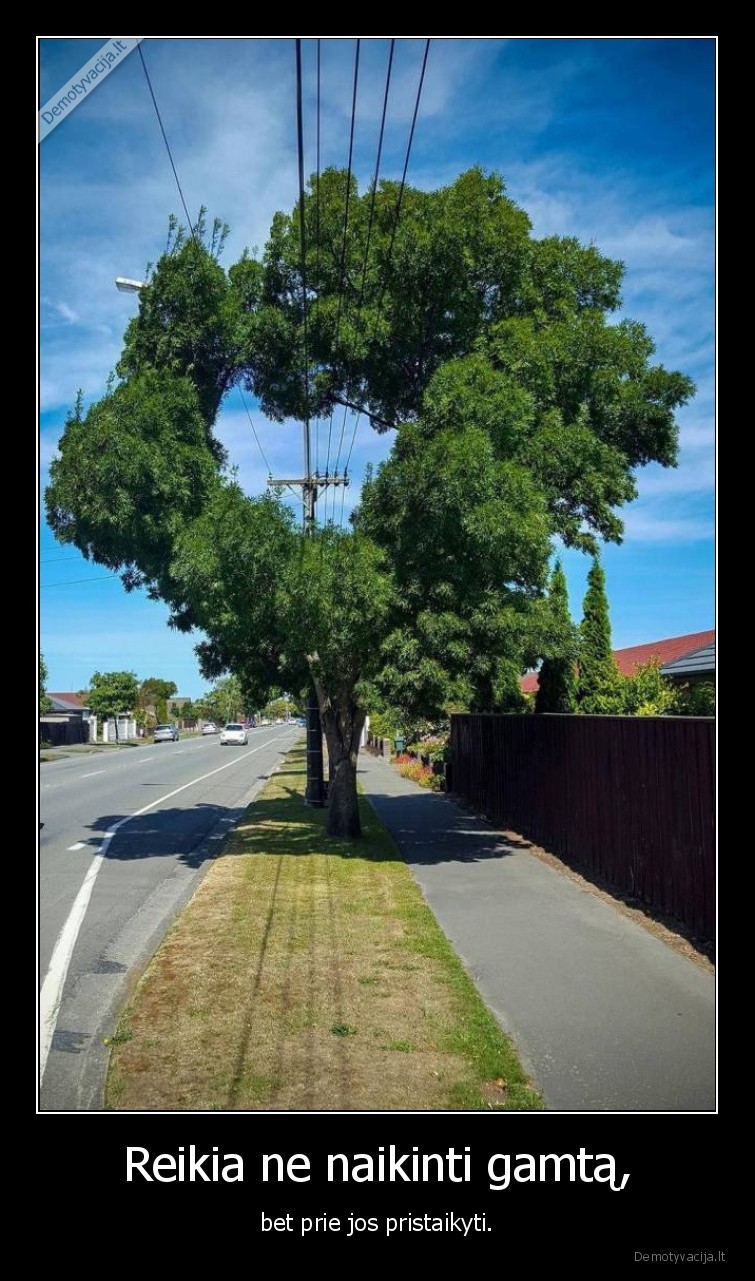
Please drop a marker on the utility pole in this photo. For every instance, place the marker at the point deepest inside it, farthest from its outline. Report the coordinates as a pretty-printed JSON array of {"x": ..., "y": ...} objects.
[{"x": 310, "y": 487}]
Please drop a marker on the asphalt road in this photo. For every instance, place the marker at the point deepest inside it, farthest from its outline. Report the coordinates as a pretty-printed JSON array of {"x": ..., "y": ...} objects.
[{"x": 127, "y": 835}]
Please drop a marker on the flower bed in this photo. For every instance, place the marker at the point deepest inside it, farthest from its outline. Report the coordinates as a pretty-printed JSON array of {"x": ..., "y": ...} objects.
[{"x": 413, "y": 769}]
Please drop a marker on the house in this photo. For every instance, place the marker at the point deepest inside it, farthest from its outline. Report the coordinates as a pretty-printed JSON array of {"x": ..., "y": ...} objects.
[
  {"x": 71, "y": 703},
  {"x": 690, "y": 657},
  {"x": 698, "y": 665},
  {"x": 67, "y": 721}
]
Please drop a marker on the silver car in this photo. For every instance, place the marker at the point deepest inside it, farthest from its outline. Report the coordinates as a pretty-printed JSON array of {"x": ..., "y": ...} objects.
[
  {"x": 166, "y": 734},
  {"x": 234, "y": 733}
]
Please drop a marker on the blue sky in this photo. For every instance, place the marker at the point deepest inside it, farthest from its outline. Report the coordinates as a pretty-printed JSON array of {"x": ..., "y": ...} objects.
[{"x": 611, "y": 140}]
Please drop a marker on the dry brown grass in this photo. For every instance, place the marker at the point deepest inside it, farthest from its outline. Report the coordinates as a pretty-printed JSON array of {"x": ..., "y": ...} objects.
[{"x": 308, "y": 974}]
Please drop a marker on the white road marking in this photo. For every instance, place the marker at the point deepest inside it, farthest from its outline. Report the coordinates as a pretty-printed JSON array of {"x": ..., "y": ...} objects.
[
  {"x": 97, "y": 771},
  {"x": 78, "y": 846},
  {"x": 52, "y": 989}
]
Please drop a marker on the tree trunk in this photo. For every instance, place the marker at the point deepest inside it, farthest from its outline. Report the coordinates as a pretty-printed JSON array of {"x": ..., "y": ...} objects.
[{"x": 342, "y": 723}]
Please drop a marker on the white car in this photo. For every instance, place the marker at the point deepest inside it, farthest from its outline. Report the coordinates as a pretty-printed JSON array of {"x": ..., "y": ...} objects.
[
  {"x": 234, "y": 733},
  {"x": 209, "y": 728},
  {"x": 166, "y": 734}
]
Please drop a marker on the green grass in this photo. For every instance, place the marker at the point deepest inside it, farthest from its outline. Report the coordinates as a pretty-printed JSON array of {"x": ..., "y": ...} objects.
[{"x": 308, "y": 973}]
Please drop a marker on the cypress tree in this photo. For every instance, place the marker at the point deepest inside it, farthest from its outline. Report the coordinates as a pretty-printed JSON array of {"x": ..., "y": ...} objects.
[
  {"x": 599, "y": 683},
  {"x": 557, "y": 678}
]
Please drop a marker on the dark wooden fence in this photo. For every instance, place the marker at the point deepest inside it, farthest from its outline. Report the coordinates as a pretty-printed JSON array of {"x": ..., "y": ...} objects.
[
  {"x": 629, "y": 798},
  {"x": 63, "y": 731}
]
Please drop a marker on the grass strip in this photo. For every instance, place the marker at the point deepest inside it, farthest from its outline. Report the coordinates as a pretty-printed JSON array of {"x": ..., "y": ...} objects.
[{"x": 309, "y": 974}]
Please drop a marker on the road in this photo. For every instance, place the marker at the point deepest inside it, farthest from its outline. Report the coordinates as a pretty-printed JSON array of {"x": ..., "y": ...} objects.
[{"x": 127, "y": 835}]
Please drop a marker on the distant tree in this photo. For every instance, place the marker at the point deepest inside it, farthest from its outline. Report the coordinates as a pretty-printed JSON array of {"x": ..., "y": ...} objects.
[
  {"x": 153, "y": 697},
  {"x": 277, "y": 708},
  {"x": 205, "y": 708},
  {"x": 44, "y": 702},
  {"x": 228, "y": 699},
  {"x": 599, "y": 690},
  {"x": 557, "y": 678},
  {"x": 113, "y": 694}
]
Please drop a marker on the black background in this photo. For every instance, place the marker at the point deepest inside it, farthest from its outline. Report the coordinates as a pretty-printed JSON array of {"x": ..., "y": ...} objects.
[{"x": 674, "y": 1200}]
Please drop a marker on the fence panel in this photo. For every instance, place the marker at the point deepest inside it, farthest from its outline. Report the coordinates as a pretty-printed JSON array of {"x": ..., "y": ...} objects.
[
  {"x": 629, "y": 798},
  {"x": 63, "y": 732}
]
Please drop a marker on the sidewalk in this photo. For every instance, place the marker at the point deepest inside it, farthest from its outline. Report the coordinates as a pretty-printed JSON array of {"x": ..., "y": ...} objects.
[{"x": 606, "y": 1017}]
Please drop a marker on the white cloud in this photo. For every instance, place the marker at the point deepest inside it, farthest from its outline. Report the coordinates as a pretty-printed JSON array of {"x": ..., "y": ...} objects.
[
  {"x": 690, "y": 477},
  {"x": 643, "y": 526},
  {"x": 59, "y": 309}
]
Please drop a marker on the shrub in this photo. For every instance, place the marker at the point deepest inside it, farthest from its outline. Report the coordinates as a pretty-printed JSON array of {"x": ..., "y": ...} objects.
[{"x": 412, "y": 769}]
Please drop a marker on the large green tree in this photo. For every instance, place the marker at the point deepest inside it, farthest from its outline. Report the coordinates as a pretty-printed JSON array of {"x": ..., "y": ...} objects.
[
  {"x": 521, "y": 412},
  {"x": 112, "y": 694}
]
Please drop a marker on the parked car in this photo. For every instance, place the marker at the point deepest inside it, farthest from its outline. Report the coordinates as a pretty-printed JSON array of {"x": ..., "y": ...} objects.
[
  {"x": 166, "y": 734},
  {"x": 210, "y": 728},
  {"x": 233, "y": 732}
]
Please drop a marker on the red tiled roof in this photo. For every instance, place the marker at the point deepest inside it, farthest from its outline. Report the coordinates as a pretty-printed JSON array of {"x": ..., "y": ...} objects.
[
  {"x": 664, "y": 651},
  {"x": 73, "y": 699}
]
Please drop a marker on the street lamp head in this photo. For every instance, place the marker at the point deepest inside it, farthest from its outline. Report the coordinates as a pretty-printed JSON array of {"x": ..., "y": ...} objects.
[{"x": 129, "y": 286}]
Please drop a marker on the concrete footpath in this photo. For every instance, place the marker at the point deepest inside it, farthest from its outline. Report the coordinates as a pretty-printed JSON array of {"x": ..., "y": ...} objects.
[{"x": 606, "y": 1017}]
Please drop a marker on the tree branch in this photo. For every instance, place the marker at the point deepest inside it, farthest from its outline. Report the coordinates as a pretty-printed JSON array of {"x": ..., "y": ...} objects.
[{"x": 360, "y": 409}]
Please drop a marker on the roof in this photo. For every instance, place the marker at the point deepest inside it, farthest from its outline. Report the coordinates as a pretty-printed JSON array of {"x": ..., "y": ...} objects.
[
  {"x": 662, "y": 651},
  {"x": 66, "y": 702},
  {"x": 700, "y": 662}
]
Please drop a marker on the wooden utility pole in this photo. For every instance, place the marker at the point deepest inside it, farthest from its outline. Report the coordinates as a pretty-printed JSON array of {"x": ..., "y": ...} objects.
[{"x": 310, "y": 486}]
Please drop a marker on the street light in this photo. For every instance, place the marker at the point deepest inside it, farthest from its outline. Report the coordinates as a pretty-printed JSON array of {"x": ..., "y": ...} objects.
[{"x": 129, "y": 286}]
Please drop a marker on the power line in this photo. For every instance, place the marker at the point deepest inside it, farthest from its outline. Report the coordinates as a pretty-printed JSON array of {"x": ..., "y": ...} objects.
[
  {"x": 367, "y": 244},
  {"x": 317, "y": 223},
  {"x": 73, "y": 581},
  {"x": 403, "y": 176},
  {"x": 303, "y": 252},
  {"x": 259, "y": 446},
  {"x": 342, "y": 269},
  {"x": 377, "y": 171},
  {"x": 393, "y": 231},
  {"x": 254, "y": 431},
  {"x": 194, "y": 238},
  {"x": 57, "y": 560},
  {"x": 370, "y": 222},
  {"x": 167, "y": 144}
]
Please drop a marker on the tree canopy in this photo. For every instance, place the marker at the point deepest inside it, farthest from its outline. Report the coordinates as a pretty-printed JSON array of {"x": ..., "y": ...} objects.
[
  {"x": 152, "y": 699},
  {"x": 556, "y": 678},
  {"x": 44, "y": 702},
  {"x": 111, "y": 694},
  {"x": 521, "y": 411}
]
